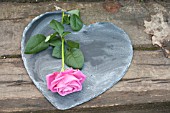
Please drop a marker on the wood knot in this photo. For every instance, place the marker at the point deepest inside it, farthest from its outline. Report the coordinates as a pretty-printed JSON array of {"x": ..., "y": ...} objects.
[{"x": 112, "y": 6}]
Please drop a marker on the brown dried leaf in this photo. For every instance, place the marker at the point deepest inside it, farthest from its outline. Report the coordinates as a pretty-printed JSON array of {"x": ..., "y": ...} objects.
[{"x": 160, "y": 31}]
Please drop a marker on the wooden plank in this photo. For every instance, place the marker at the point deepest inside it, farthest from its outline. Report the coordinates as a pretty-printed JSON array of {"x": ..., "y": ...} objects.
[
  {"x": 144, "y": 88},
  {"x": 145, "y": 84},
  {"x": 93, "y": 9},
  {"x": 40, "y": 105},
  {"x": 15, "y": 16},
  {"x": 11, "y": 36}
]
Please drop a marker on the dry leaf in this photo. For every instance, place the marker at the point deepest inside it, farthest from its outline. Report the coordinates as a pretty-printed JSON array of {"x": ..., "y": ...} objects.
[
  {"x": 59, "y": 8},
  {"x": 160, "y": 31}
]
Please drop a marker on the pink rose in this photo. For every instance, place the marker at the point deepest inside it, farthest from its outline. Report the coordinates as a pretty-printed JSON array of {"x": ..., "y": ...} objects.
[{"x": 65, "y": 82}]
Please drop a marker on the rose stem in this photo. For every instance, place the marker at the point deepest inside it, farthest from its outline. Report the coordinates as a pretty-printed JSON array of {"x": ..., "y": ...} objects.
[
  {"x": 62, "y": 40},
  {"x": 62, "y": 17},
  {"x": 62, "y": 69}
]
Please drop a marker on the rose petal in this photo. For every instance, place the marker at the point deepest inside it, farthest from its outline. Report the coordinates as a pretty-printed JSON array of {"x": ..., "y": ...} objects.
[
  {"x": 66, "y": 82},
  {"x": 68, "y": 90},
  {"x": 63, "y": 81},
  {"x": 73, "y": 86},
  {"x": 76, "y": 86},
  {"x": 55, "y": 83},
  {"x": 69, "y": 78},
  {"x": 64, "y": 91},
  {"x": 79, "y": 75},
  {"x": 50, "y": 78},
  {"x": 68, "y": 71}
]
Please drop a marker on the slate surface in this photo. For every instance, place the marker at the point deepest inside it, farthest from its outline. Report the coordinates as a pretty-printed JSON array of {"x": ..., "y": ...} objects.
[{"x": 108, "y": 54}]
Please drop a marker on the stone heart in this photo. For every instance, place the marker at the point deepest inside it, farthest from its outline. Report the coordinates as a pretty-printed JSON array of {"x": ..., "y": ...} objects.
[{"x": 108, "y": 53}]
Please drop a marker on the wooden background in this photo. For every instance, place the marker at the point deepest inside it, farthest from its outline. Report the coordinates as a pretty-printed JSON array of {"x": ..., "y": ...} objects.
[{"x": 144, "y": 89}]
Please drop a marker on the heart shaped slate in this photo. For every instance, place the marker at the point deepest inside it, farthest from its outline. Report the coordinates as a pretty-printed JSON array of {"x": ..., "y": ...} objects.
[{"x": 108, "y": 53}]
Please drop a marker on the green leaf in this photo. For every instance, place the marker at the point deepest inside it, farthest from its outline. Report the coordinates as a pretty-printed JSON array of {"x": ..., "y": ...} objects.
[
  {"x": 65, "y": 33},
  {"x": 50, "y": 37},
  {"x": 36, "y": 44},
  {"x": 74, "y": 58},
  {"x": 66, "y": 19},
  {"x": 76, "y": 12},
  {"x": 57, "y": 26},
  {"x": 73, "y": 44},
  {"x": 75, "y": 22},
  {"x": 57, "y": 49},
  {"x": 55, "y": 41}
]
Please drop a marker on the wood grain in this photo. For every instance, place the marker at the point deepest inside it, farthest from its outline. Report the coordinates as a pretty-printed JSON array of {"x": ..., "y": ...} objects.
[
  {"x": 144, "y": 88},
  {"x": 146, "y": 82},
  {"x": 15, "y": 16}
]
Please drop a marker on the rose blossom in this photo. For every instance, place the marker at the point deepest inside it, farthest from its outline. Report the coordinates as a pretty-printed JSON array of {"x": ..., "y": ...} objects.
[{"x": 65, "y": 82}]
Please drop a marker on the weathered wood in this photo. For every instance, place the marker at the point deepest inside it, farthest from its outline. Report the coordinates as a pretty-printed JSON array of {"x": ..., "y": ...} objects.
[
  {"x": 144, "y": 89},
  {"x": 136, "y": 10},
  {"x": 11, "y": 36},
  {"x": 40, "y": 105},
  {"x": 11, "y": 33},
  {"x": 147, "y": 82},
  {"x": 15, "y": 16},
  {"x": 35, "y": 1}
]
